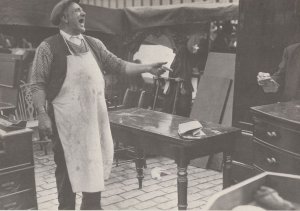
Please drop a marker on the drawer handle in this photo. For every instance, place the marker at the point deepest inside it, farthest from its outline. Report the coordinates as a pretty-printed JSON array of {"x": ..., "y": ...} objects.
[
  {"x": 272, "y": 134},
  {"x": 272, "y": 161}
]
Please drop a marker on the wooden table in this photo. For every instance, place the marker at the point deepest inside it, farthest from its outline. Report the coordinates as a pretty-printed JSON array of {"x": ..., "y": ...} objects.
[{"x": 156, "y": 132}]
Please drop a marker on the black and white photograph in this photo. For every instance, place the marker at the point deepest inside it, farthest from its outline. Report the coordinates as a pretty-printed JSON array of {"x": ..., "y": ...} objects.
[{"x": 150, "y": 105}]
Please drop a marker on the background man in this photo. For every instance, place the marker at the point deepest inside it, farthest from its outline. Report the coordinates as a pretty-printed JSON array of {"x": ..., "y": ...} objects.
[
  {"x": 287, "y": 79},
  {"x": 67, "y": 72}
]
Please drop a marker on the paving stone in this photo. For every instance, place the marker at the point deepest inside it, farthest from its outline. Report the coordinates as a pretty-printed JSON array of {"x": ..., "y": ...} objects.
[
  {"x": 49, "y": 185},
  {"x": 114, "y": 185},
  {"x": 130, "y": 181},
  {"x": 168, "y": 205},
  {"x": 111, "y": 200},
  {"x": 150, "y": 182},
  {"x": 161, "y": 199},
  {"x": 145, "y": 205},
  {"x": 168, "y": 183},
  {"x": 151, "y": 195},
  {"x": 131, "y": 187},
  {"x": 127, "y": 203},
  {"x": 170, "y": 189},
  {"x": 172, "y": 195},
  {"x": 204, "y": 186},
  {"x": 47, "y": 198},
  {"x": 217, "y": 181},
  {"x": 47, "y": 192},
  {"x": 112, "y": 192},
  {"x": 208, "y": 192},
  {"x": 132, "y": 193},
  {"x": 111, "y": 207},
  {"x": 122, "y": 188},
  {"x": 195, "y": 196},
  {"x": 169, "y": 177},
  {"x": 151, "y": 188},
  {"x": 196, "y": 204}
]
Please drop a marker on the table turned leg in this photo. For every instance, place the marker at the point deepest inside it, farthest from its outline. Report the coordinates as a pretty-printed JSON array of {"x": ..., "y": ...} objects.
[
  {"x": 227, "y": 169},
  {"x": 182, "y": 185},
  {"x": 139, "y": 164}
]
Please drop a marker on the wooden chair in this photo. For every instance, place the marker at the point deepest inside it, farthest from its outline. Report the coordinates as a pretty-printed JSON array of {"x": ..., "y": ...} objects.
[
  {"x": 132, "y": 98},
  {"x": 25, "y": 111}
]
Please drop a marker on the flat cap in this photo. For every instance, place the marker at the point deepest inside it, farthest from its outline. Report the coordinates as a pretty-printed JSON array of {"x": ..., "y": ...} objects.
[{"x": 58, "y": 10}]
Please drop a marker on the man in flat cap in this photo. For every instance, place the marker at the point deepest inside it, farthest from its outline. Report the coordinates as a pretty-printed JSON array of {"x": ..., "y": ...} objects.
[{"x": 67, "y": 73}]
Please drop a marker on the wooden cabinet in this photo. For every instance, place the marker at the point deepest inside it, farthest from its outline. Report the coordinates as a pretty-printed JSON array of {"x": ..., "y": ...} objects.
[
  {"x": 17, "y": 181},
  {"x": 276, "y": 137}
]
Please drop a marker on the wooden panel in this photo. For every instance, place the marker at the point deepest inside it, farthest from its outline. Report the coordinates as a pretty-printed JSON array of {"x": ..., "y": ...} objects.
[
  {"x": 223, "y": 65},
  {"x": 210, "y": 99}
]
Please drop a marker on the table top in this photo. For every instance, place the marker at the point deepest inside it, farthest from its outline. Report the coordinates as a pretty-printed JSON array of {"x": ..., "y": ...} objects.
[
  {"x": 163, "y": 124},
  {"x": 285, "y": 111}
]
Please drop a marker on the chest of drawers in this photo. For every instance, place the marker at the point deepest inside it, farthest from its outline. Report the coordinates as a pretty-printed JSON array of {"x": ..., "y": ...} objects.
[
  {"x": 276, "y": 137},
  {"x": 17, "y": 181}
]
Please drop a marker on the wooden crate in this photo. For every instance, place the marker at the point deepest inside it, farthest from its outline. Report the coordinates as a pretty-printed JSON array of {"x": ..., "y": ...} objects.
[{"x": 286, "y": 185}]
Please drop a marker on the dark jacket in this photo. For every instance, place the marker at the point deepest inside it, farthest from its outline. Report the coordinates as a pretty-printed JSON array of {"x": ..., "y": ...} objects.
[{"x": 288, "y": 74}]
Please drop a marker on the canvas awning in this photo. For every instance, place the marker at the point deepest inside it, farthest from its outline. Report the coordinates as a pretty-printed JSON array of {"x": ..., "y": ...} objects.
[
  {"x": 37, "y": 13},
  {"x": 116, "y": 21},
  {"x": 146, "y": 17}
]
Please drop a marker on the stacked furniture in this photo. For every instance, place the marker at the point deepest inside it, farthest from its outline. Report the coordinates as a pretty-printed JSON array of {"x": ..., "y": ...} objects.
[{"x": 17, "y": 181}]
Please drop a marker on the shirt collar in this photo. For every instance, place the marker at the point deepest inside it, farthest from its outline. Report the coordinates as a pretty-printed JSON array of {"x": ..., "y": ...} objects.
[{"x": 68, "y": 36}]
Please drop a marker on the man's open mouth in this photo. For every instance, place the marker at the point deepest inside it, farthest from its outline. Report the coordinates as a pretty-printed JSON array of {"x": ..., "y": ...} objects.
[{"x": 81, "y": 21}]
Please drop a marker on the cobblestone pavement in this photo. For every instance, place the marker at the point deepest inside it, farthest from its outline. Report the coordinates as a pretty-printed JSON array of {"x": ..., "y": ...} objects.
[{"x": 122, "y": 191}]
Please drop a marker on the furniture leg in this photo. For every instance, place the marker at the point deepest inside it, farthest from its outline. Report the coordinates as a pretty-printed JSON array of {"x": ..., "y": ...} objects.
[
  {"x": 156, "y": 93},
  {"x": 182, "y": 185},
  {"x": 227, "y": 169},
  {"x": 182, "y": 179},
  {"x": 139, "y": 164}
]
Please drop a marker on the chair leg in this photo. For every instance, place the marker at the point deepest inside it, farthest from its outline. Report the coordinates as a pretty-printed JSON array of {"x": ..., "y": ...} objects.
[
  {"x": 117, "y": 154},
  {"x": 45, "y": 148},
  {"x": 145, "y": 163}
]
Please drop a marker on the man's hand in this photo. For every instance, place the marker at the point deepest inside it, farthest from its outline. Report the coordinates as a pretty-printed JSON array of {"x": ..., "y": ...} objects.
[
  {"x": 157, "y": 68},
  {"x": 267, "y": 82},
  {"x": 45, "y": 127}
]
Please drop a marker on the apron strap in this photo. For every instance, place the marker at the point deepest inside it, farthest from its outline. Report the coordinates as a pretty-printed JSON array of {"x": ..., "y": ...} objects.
[{"x": 71, "y": 51}]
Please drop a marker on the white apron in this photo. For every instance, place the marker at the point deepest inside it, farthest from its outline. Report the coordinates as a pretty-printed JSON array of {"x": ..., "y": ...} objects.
[{"x": 82, "y": 123}]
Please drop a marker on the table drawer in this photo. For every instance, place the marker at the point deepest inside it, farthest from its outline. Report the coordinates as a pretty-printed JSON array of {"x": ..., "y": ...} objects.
[
  {"x": 271, "y": 159},
  {"x": 16, "y": 151},
  {"x": 19, "y": 201},
  {"x": 278, "y": 136},
  {"x": 15, "y": 181}
]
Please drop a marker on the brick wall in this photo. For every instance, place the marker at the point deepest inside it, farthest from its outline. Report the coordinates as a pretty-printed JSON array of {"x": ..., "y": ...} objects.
[{"x": 138, "y": 3}]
